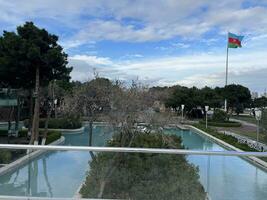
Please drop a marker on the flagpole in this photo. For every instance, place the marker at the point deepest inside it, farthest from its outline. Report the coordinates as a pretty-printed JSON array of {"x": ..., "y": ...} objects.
[{"x": 226, "y": 75}]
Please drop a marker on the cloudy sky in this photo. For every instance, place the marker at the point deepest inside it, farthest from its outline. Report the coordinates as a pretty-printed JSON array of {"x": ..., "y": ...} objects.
[{"x": 159, "y": 42}]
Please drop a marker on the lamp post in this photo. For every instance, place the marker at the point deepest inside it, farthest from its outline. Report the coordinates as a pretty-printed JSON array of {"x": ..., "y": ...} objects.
[
  {"x": 182, "y": 107},
  {"x": 206, "y": 110},
  {"x": 258, "y": 118}
]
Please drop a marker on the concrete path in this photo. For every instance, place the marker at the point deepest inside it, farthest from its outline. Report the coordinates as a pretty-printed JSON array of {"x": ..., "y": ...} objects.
[{"x": 243, "y": 122}]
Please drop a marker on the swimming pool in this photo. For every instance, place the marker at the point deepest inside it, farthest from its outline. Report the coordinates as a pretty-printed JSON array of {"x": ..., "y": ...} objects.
[{"x": 60, "y": 173}]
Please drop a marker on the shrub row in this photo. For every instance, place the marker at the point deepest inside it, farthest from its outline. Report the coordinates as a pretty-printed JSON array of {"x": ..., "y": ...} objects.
[
  {"x": 22, "y": 133},
  {"x": 52, "y": 136},
  {"x": 59, "y": 123},
  {"x": 222, "y": 124}
]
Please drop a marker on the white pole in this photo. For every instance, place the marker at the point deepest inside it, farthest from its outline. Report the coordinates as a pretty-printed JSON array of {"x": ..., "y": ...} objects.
[
  {"x": 182, "y": 107},
  {"x": 182, "y": 115},
  {"x": 206, "y": 110},
  {"x": 258, "y": 130},
  {"x": 226, "y": 75}
]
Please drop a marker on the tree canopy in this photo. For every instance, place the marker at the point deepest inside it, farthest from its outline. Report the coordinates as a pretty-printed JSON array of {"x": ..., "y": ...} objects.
[
  {"x": 22, "y": 51},
  {"x": 236, "y": 95}
]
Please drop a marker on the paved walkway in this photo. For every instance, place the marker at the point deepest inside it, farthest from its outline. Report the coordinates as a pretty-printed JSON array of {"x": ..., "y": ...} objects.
[{"x": 243, "y": 122}]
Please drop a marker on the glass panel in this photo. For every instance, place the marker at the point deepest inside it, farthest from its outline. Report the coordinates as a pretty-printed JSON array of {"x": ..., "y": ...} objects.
[{"x": 62, "y": 174}]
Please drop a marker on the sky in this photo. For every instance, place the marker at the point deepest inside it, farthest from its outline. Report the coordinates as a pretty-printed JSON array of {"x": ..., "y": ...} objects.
[{"x": 157, "y": 42}]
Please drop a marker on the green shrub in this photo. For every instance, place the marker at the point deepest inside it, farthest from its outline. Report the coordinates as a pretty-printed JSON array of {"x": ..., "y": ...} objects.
[
  {"x": 52, "y": 136},
  {"x": 5, "y": 156},
  {"x": 222, "y": 124},
  {"x": 59, "y": 123},
  {"x": 219, "y": 116}
]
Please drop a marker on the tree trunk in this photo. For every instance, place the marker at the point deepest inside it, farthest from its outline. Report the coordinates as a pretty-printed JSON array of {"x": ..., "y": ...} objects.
[
  {"x": 17, "y": 119},
  {"x": 30, "y": 115},
  {"x": 46, "y": 126},
  {"x": 9, "y": 132},
  {"x": 35, "y": 122},
  {"x": 48, "y": 114}
]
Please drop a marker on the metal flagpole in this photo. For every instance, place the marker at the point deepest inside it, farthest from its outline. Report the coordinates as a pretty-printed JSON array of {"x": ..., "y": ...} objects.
[{"x": 226, "y": 74}]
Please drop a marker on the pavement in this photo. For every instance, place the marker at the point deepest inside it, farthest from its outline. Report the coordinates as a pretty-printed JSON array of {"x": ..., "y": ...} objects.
[{"x": 243, "y": 122}]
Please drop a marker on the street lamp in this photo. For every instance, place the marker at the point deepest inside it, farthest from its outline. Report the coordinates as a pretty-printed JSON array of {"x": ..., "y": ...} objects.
[
  {"x": 206, "y": 110},
  {"x": 258, "y": 118},
  {"x": 182, "y": 106}
]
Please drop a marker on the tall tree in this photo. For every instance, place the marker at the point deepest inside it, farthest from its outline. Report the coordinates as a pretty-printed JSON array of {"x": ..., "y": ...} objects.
[{"x": 30, "y": 58}]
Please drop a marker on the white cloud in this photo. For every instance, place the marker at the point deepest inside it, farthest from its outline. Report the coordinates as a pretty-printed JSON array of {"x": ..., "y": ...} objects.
[
  {"x": 145, "y": 20},
  {"x": 191, "y": 70},
  {"x": 92, "y": 60}
]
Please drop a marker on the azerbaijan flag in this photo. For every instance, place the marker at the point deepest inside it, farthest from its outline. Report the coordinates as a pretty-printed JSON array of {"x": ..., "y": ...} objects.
[{"x": 234, "y": 41}]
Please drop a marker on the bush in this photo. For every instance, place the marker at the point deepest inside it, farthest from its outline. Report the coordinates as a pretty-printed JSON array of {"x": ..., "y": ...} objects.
[
  {"x": 5, "y": 156},
  {"x": 222, "y": 124},
  {"x": 52, "y": 136},
  {"x": 59, "y": 123},
  {"x": 220, "y": 116}
]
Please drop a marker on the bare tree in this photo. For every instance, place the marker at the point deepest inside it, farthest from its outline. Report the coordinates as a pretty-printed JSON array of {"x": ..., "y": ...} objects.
[{"x": 90, "y": 100}]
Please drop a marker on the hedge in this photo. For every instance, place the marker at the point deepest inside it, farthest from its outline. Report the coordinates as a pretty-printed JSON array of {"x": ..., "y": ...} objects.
[
  {"x": 22, "y": 133},
  {"x": 222, "y": 124},
  {"x": 52, "y": 136},
  {"x": 59, "y": 123}
]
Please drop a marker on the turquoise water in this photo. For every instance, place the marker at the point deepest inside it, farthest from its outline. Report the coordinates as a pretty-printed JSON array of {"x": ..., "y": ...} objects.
[
  {"x": 60, "y": 173},
  {"x": 54, "y": 174},
  {"x": 224, "y": 177}
]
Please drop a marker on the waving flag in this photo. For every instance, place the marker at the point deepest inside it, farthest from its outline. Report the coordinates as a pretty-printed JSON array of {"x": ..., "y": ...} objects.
[{"x": 234, "y": 41}]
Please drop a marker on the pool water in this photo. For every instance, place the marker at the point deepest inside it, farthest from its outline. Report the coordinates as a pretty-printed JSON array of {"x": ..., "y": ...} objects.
[
  {"x": 57, "y": 173},
  {"x": 60, "y": 173},
  {"x": 224, "y": 177}
]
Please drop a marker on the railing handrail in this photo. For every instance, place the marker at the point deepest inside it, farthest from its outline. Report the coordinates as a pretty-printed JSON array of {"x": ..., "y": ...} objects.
[{"x": 132, "y": 150}]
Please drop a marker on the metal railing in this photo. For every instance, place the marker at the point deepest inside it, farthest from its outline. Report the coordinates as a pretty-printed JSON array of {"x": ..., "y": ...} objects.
[{"x": 133, "y": 150}]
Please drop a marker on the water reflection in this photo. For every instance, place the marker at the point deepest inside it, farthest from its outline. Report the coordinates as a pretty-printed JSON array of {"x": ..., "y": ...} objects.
[{"x": 54, "y": 174}]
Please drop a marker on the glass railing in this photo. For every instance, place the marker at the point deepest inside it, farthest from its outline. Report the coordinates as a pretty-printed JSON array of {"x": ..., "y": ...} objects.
[{"x": 75, "y": 172}]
